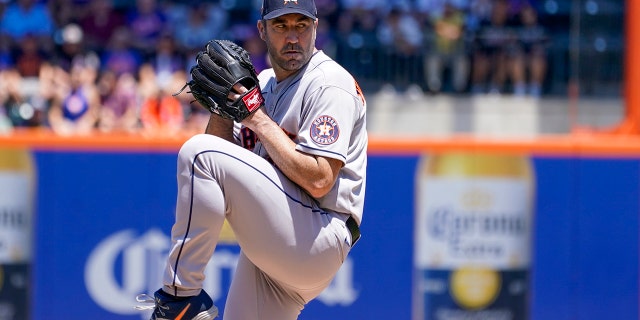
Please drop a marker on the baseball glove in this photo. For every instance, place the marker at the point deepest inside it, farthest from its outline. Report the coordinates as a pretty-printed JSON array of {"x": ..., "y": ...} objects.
[{"x": 222, "y": 65}]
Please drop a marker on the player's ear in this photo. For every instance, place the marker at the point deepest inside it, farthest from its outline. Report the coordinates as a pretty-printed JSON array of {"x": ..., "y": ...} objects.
[{"x": 261, "y": 24}]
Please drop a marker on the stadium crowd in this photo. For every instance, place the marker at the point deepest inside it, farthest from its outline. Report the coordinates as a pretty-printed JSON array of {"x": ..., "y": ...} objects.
[{"x": 80, "y": 65}]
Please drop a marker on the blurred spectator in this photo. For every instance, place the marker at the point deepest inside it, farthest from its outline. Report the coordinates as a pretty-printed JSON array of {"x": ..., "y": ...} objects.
[
  {"x": 356, "y": 35},
  {"x": 119, "y": 98},
  {"x": 165, "y": 61},
  {"x": 25, "y": 106},
  {"x": 119, "y": 56},
  {"x": 176, "y": 12},
  {"x": 5, "y": 123},
  {"x": 479, "y": 11},
  {"x": 328, "y": 15},
  {"x": 75, "y": 108},
  {"x": 434, "y": 8},
  {"x": 6, "y": 56},
  {"x": 24, "y": 17},
  {"x": 9, "y": 85},
  {"x": 402, "y": 38},
  {"x": 72, "y": 50},
  {"x": 205, "y": 21},
  {"x": 325, "y": 39},
  {"x": 160, "y": 112},
  {"x": 494, "y": 51},
  {"x": 257, "y": 50},
  {"x": 29, "y": 57},
  {"x": 196, "y": 119},
  {"x": 146, "y": 22},
  {"x": 99, "y": 24},
  {"x": 10, "y": 95},
  {"x": 361, "y": 14},
  {"x": 516, "y": 6},
  {"x": 448, "y": 50},
  {"x": 6, "y": 68},
  {"x": 64, "y": 12},
  {"x": 328, "y": 12},
  {"x": 530, "y": 65}
]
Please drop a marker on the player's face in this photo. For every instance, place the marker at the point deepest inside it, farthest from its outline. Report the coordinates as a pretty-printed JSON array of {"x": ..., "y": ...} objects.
[{"x": 290, "y": 40}]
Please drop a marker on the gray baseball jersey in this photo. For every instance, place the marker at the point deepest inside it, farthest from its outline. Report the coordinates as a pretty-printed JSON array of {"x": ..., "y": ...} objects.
[
  {"x": 323, "y": 110},
  {"x": 291, "y": 244}
]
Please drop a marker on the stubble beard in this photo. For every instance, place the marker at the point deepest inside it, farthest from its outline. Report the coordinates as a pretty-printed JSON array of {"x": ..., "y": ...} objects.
[
  {"x": 279, "y": 57},
  {"x": 290, "y": 64}
]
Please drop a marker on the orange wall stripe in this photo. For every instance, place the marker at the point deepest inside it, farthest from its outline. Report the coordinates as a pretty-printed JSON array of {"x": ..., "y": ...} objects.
[{"x": 576, "y": 144}]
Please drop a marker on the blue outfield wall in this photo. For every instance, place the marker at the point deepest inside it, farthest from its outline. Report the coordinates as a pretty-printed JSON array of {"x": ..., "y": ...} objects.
[{"x": 103, "y": 221}]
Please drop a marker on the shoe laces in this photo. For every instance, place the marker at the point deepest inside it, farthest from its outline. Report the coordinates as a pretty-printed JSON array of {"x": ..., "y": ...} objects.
[{"x": 148, "y": 303}]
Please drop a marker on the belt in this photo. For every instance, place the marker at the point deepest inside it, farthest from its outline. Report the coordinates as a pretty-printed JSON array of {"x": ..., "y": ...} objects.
[{"x": 354, "y": 229}]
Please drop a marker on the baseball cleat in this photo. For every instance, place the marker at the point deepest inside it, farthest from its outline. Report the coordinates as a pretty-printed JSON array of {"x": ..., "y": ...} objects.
[{"x": 168, "y": 307}]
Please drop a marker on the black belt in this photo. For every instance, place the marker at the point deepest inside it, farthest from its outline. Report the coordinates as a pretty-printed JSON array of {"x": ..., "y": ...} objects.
[{"x": 353, "y": 227}]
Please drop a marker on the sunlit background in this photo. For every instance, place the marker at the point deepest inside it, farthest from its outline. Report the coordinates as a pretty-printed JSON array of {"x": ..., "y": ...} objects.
[{"x": 423, "y": 59}]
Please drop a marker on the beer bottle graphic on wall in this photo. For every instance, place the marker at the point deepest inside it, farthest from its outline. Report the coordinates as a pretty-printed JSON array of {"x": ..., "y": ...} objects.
[
  {"x": 472, "y": 236},
  {"x": 17, "y": 185}
]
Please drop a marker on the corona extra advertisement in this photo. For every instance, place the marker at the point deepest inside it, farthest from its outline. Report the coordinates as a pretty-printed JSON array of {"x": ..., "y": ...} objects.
[
  {"x": 472, "y": 237},
  {"x": 16, "y": 216}
]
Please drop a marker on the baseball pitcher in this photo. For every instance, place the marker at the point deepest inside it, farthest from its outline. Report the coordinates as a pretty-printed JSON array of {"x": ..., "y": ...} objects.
[{"x": 283, "y": 160}]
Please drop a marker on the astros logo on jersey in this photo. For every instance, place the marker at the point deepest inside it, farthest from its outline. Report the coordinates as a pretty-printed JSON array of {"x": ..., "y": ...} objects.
[
  {"x": 325, "y": 130},
  {"x": 290, "y": 1}
]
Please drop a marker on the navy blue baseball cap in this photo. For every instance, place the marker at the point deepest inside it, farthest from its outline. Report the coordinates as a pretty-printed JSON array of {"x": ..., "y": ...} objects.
[{"x": 275, "y": 8}]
